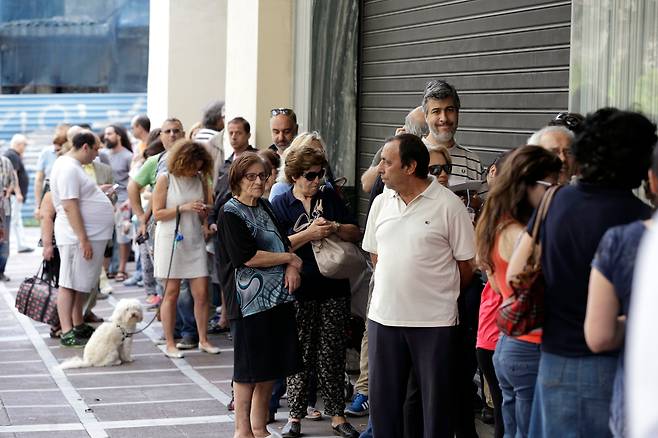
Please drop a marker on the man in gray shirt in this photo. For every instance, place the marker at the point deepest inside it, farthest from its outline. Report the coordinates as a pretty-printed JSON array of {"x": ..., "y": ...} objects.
[{"x": 119, "y": 153}]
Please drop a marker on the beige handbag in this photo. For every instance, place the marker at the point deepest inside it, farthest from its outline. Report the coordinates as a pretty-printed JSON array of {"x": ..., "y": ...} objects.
[{"x": 335, "y": 257}]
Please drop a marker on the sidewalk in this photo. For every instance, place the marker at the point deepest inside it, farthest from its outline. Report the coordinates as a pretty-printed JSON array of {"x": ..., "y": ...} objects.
[{"x": 152, "y": 397}]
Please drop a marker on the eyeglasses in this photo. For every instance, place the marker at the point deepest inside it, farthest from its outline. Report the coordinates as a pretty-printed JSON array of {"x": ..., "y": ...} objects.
[
  {"x": 174, "y": 131},
  {"x": 312, "y": 175},
  {"x": 436, "y": 169},
  {"x": 570, "y": 120},
  {"x": 544, "y": 183},
  {"x": 252, "y": 176}
]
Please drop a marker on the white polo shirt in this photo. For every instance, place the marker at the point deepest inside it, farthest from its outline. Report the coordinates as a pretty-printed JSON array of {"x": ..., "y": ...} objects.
[{"x": 417, "y": 247}]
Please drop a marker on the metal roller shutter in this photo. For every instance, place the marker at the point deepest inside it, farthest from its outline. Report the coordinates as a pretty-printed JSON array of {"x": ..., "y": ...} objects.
[{"x": 509, "y": 60}]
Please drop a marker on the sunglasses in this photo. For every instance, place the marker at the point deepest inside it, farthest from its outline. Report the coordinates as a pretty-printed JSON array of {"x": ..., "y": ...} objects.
[
  {"x": 569, "y": 120},
  {"x": 438, "y": 168},
  {"x": 285, "y": 111},
  {"x": 310, "y": 176},
  {"x": 252, "y": 176},
  {"x": 544, "y": 183},
  {"x": 174, "y": 131}
]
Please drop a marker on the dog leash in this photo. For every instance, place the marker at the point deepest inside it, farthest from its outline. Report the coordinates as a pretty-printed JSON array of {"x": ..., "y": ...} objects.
[{"x": 164, "y": 293}]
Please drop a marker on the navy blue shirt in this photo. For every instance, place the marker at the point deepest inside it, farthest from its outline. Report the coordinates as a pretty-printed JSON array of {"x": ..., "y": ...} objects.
[
  {"x": 577, "y": 219},
  {"x": 288, "y": 209},
  {"x": 615, "y": 259}
]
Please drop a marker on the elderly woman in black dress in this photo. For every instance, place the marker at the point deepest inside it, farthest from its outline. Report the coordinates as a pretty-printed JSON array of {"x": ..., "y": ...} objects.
[{"x": 258, "y": 274}]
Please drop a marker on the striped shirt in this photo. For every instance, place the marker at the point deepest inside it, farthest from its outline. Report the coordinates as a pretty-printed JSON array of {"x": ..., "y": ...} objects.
[{"x": 466, "y": 164}]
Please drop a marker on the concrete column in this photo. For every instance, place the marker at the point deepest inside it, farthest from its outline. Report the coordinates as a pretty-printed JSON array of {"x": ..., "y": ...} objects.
[
  {"x": 187, "y": 58},
  {"x": 259, "y": 62}
]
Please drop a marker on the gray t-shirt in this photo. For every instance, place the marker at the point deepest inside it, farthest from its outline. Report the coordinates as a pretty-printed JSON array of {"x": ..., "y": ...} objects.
[{"x": 120, "y": 163}]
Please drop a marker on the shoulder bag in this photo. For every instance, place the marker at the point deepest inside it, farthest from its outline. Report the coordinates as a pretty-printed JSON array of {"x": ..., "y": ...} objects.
[{"x": 523, "y": 311}]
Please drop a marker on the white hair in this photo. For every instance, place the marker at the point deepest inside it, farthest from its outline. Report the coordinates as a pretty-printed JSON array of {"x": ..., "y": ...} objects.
[
  {"x": 18, "y": 139},
  {"x": 536, "y": 137}
]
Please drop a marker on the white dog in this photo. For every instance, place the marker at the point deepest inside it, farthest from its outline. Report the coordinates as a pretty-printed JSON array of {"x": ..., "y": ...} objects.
[{"x": 111, "y": 343}]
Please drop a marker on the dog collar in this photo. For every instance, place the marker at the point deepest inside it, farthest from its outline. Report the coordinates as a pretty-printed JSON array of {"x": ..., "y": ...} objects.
[{"x": 124, "y": 333}]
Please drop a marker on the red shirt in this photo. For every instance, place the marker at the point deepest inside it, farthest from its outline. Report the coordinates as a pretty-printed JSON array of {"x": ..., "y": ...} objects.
[{"x": 487, "y": 328}]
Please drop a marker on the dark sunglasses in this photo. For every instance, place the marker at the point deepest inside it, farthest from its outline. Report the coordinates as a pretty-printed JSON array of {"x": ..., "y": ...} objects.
[
  {"x": 438, "y": 168},
  {"x": 312, "y": 175},
  {"x": 570, "y": 120},
  {"x": 174, "y": 131},
  {"x": 252, "y": 176}
]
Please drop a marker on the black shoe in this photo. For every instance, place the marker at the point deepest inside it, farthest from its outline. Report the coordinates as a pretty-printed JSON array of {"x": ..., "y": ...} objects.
[
  {"x": 83, "y": 331},
  {"x": 346, "y": 430},
  {"x": 292, "y": 429},
  {"x": 24, "y": 250},
  {"x": 3, "y": 277}
]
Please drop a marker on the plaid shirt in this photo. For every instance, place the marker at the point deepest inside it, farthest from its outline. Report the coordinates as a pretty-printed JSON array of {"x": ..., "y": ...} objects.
[{"x": 7, "y": 182}]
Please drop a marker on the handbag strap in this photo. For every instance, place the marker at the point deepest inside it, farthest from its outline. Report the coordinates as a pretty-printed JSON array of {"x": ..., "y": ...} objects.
[{"x": 542, "y": 211}]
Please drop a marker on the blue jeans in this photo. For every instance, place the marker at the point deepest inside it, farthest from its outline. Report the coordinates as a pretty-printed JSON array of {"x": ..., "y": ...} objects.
[
  {"x": 516, "y": 363},
  {"x": 185, "y": 321},
  {"x": 572, "y": 396},
  {"x": 368, "y": 432},
  {"x": 4, "y": 246}
]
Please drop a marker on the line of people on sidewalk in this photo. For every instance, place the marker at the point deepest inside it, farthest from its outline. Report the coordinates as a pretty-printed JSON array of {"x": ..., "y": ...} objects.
[{"x": 242, "y": 230}]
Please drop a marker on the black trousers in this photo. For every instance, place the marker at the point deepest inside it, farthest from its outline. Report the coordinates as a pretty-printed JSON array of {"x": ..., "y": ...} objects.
[
  {"x": 485, "y": 360},
  {"x": 392, "y": 353}
]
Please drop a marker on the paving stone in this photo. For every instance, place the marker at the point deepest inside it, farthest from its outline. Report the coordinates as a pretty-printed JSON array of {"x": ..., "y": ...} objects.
[
  {"x": 173, "y": 376},
  {"x": 36, "y": 397},
  {"x": 27, "y": 383},
  {"x": 54, "y": 434},
  {"x": 159, "y": 410},
  {"x": 12, "y": 369},
  {"x": 191, "y": 391},
  {"x": 42, "y": 415},
  {"x": 193, "y": 430}
]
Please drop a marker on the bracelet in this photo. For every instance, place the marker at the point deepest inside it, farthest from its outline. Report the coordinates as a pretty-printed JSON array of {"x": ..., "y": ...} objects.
[{"x": 336, "y": 226}]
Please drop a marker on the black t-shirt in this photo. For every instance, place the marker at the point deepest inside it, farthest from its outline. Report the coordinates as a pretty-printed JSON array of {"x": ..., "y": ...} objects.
[
  {"x": 17, "y": 162},
  {"x": 288, "y": 209},
  {"x": 577, "y": 219}
]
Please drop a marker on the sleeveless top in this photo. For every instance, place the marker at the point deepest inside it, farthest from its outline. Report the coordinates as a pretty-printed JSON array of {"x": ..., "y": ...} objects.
[{"x": 500, "y": 273}]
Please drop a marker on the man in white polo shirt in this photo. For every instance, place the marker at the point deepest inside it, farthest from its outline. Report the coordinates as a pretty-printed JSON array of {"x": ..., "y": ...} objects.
[
  {"x": 83, "y": 225},
  {"x": 421, "y": 239}
]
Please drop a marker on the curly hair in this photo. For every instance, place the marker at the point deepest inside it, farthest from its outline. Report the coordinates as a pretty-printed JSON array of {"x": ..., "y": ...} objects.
[
  {"x": 614, "y": 148},
  {"x": 184, "y": 157},
  {"x": 300, "y": 160},
  {"x": 508, "y": 198}
]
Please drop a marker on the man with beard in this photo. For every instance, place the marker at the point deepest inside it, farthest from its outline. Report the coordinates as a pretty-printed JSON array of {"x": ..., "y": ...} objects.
[
  {"x": 119, "y": 153},
  {"x": 441, "y": 105},
  {"x": 283, "y": 125}
]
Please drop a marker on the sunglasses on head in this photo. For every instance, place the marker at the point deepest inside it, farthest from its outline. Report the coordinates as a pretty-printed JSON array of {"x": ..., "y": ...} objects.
[
  {"x": 285, "y": 111},
  {"x": 569, "y": 120},
  {"x": 436, "y": 169},
  {"x": 312, "y": 175},
  {"x": 252, "y": 176}
]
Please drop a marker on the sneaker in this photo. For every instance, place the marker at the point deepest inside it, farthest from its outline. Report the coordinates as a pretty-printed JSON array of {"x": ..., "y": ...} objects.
[
  {"x": 359, "y": 407},
  {"x": 132, "y": 281},
  {"x": 345, "y": 430},
  {"x": 107, "y": 290},
  {"x": 149, "y": 298},
  {"x": 69, "y": 339},
  {"x": 187, "y": 343},
  {"x": 3, "y": 277},
  {"x": 140, "y": 283},
  {"x": 83, "y": 331},
  {"x": 155, "y": 302},
  {"x": 292, "y": 429}
]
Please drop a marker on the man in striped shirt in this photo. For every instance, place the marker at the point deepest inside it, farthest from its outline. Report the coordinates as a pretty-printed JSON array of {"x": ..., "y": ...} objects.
[{"x": 441, "y": 106}]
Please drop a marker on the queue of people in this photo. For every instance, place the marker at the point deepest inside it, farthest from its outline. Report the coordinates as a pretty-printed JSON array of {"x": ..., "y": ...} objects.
[{"x": 233, "y": 238}]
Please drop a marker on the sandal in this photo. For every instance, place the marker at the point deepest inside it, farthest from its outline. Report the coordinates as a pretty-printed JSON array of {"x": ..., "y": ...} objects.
[
  {"x": 111, "y": 275},
  {"x": 313, "y": 414},
  {"x": 121, "y": 277},
  {"x": 92, "y": 318}
]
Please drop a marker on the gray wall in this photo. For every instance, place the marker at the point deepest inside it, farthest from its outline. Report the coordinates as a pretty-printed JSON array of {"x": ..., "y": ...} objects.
[{"x": 509, "y": 59}]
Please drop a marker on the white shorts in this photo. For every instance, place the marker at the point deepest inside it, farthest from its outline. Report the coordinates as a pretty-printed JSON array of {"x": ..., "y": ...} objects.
[{"x": 77, "y": 273}]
